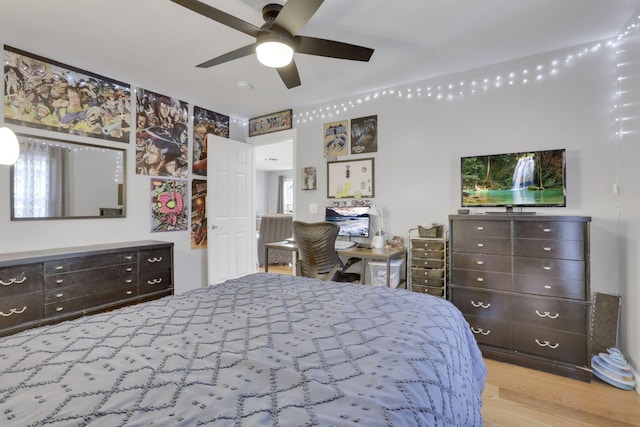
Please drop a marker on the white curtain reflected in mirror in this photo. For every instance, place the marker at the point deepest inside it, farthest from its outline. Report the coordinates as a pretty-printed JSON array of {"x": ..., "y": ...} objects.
[{"x": 61, "y": 179}]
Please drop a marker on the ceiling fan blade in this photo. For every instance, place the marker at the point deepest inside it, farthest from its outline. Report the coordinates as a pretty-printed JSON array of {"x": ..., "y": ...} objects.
[
  {"x": 331, "y": 49},
  {"x": 219, "y": 16},
  {"x": 295, "y": 14},
  {"x": 289, "y": 75},
  {"x": 230, "y": 56}
]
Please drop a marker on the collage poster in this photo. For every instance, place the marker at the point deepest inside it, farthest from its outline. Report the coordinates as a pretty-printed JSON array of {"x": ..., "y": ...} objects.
[
  {"x": 41, "y": 93},
  {"x": 162, "y": 146},
  {"x": 198, "y": 214},
  {"x": 168, "y": 210},
  {"x": 204, "y": 123}
]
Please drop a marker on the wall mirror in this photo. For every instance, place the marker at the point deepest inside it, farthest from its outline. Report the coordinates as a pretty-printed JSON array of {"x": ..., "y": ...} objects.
[{"x": 56, "y": 179}]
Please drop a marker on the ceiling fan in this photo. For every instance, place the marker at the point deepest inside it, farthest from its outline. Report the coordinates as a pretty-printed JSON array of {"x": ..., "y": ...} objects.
[{"x": 282, "y": 24}]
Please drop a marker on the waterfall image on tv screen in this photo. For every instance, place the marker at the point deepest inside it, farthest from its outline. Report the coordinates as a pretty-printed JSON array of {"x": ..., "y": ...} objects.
[
  {"x": 532, "y": 178},
  {"x": 353, "y": 220}
]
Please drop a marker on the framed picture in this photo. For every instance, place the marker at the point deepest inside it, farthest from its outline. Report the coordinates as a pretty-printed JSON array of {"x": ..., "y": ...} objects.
[
  {"x": 350, "y": 178},
  {"x": 364, "y": 135},
  {"x": 45, "y": 94},
  {"x": 309, "y": 174},
  {"x": 335, "y": 139},
  {"x": 270, "y": 123}
]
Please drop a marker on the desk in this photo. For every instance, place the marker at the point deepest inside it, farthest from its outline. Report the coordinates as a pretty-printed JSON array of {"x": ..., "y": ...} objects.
[{"x": 382, "y": 254}]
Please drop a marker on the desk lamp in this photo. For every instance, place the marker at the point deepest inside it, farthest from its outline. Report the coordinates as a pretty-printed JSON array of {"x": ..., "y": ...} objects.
[{"x": 378, "y": 236}]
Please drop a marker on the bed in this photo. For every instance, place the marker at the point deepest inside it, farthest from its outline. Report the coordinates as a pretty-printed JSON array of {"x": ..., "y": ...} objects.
[{"x": 262, "y": 350}]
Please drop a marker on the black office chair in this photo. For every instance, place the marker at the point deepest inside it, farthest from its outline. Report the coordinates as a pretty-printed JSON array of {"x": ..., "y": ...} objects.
[{"x": 317, "y": 256}]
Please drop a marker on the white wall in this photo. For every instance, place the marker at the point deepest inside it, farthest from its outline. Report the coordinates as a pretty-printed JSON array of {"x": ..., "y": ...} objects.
[{"x": 421, "y": 139}]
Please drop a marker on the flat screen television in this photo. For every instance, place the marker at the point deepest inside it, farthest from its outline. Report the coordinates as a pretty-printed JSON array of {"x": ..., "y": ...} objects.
[
  {"x": 523, "y": 179},
  {"x": 353, "y": 220}
]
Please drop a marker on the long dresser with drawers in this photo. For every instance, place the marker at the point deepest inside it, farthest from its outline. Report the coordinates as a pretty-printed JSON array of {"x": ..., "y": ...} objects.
[
  {"x": 522, "y": 283},
  {"x": 48, "y": 286}
]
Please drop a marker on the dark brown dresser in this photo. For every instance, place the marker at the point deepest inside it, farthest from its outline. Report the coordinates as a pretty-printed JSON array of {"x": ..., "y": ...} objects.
[
  {"x": 522, "y": 283},
  {"x": 48, "y": 286}
]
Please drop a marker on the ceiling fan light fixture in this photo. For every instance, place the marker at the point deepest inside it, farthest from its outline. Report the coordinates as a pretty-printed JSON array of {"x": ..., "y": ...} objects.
[{"x": 274, "y": 53}]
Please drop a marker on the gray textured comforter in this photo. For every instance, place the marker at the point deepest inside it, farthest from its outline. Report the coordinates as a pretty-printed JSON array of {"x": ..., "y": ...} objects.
[{"x": 263, "y": 350}]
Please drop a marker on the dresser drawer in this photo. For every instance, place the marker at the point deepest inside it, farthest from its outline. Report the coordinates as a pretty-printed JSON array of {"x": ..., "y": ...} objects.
[
  {"x": 155, "y": 259},
  {"x": 427, "y": 263},
  {"x": 550, "y": 268},
  {"x": 426, "y": 254},
  {"x": 67, "y": 265},
  {"x": 550, "y": 286},
  {"x": 482, "y": 304},
  {"x": 542, "y": 248},
  {"x": 437, "y": 291},
  {"x": 154, "y": 281},
  {"x": 553, "y": 344},
  {"x": 481, "y": 279},
  {"x": 99, "y": 277},
  {"x": 491, "y": 331},
  {"x": 20, "y": 279},
  {"x": 20, "y": 309},
  {"x": 483, "y": 245},
  {"x": 431, "y": 273},
  {"x": 554, "y": 230},
  {"x": 551, "y": 313},
  {"x": 480, "y": 228},
  {"x": 426, "y": 281},
  {"x": 88, "y": 302},
  {"x": 437, "y": 245},
  {"x": 79, "y": 289},
  {"x": 481, "y": 262}
]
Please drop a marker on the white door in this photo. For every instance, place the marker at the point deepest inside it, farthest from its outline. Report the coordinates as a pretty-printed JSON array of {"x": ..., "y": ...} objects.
[{"x": 230, "y": 209}]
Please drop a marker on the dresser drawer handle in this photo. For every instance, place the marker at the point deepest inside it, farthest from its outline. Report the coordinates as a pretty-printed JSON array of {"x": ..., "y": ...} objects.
[
  {"x": 60, "y": 295},
  {"x": 59, "y": 281},
  {"x": 480, "y": 245},
  {"x": 129, "y": 292},
  {"x": 546, "y": 230},
  {"x": 129, "y": 270},
  {"x": 128, "y": 281},
  {"x": 480, "y": 228},
  {"x": 59, "y": 308},
  {"x": 547, "y": 344},
  {"x": 547, "y": 286},
  {"x": 59, "y": 267},
  {"x": 480, "y": 262},
  {"x": 547, "y": 267},
  {"x": 547, "y": 314},
  {"x": 155, "y": 259},
  {"x": 154, "y": 281},
  {"x": 480, "y": 331},
  {"x": 547, "y": 248},
  {"x": 480, "y": 279},
  {"x": 13, "y": 311},
  {"x": 480, "y": 304},
  {"x": 13, "y": 281},
  {"x": 128, "y": 257}
]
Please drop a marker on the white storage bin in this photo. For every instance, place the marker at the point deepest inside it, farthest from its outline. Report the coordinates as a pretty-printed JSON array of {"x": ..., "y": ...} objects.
[{"x": 379, "y": 273}]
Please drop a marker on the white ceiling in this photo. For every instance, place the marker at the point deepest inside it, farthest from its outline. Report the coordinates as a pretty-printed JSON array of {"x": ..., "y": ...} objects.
[{"x": 155, "y": 44}]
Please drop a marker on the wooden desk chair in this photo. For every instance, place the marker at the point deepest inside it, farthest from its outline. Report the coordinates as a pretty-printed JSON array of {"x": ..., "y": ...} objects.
[{"x": 317, "y": 256}]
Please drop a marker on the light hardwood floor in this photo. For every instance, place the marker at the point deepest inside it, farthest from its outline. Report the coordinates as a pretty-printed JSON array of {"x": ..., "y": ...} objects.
[
  {"x": 521, "y": 397},
  {"x": 517, "y": 396}
]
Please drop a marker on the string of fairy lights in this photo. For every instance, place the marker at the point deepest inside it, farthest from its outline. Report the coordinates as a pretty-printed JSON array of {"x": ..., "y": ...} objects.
[{"x": 456, "y": 90}]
